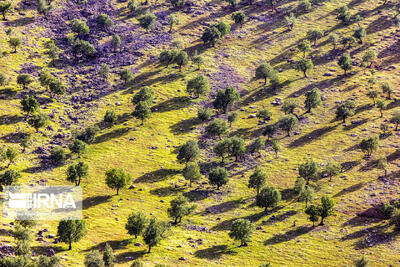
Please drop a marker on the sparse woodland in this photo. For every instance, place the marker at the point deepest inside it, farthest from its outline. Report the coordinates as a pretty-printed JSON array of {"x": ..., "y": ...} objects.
[{"x": 209, "y": 133}]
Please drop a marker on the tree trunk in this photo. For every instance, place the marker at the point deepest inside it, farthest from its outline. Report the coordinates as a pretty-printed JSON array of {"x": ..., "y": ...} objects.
[
  {"x": 322, "y": 221},
  {"x": 70, "y": 245},
  {"x": 117, "y": 191},
  {"x": 149, "y": 249},
  {"x": 305, "y": 74},
  {"x": 265, "y": 80}
]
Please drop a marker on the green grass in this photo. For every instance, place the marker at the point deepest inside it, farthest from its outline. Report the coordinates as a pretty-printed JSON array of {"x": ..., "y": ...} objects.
[{"x": 127, "y": 145}]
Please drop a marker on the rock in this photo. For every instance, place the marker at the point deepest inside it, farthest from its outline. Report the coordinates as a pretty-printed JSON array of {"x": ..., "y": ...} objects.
[
  {"x": 182, "y": 258},
  {"x": 277, "y": 101},
  {"x": 132, "y": 186},
  {"x": 118, "y": 104},
  {"x": 138, "y": 244}
]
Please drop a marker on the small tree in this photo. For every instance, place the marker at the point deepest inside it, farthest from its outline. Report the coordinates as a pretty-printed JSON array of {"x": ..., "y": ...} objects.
[
  {"x": 387, "y": 89},
  {"x": 126, "y": 75},
  {"x": 166, "y": 57},
  {"x": 38, "y": 121},
  {"x": 218, "y": 177},
  {"x": 172, "y": 21},
  {"x": 264, "y": 71},
  {"x": 181, "y": 59},
  {"x": 369, "y": 57},
  {"x": 242, "y": 230},
  {"x": 314, "y": 34},
  {"x": 142, "y": 111},
  {"x": 345, "y": 62},
  {"x": 304, "y": 46},
  {"x": 80, "y": 27},
  {"x": 192, "y": 173},
  {"x": 110, "y": 117},
  {"x": 117, "y": 179},
  {"x": 257, "y": 145},
  {"x": 313, "y": 99},
  {"x": 288, "y": 123},
  {"x": 29, "y": 105},
  {"x": 94, "y": 259},
  {"x": 24, "y": 79},
  {"x": 217, "y": 128},
  {"x": 326, "y": 208},
  {"x": 308, "y": 170},
  {"x": 104, "y": 70},
  {"x": 15, "y": 42},
  {"x": 362, "y": 262},
  {"x": 395, "y": 119},
  {"x": 56, "y": 87},
  {"x": 232, "y": 117},
  {"x": 289, "y": 106},
  {"x": 11, "y": 155},
  {"x": 360, "y": 34},
  {"x": 269, "y": 197},
  {"x": 9, "y": 177},
  {"x": 305, "y": 5},
  {"x": 275, "y": 147},
  {"x": 70, "y": 230},
  {"x": 76, "y": 172},
  {"x": 83, "y": 48},
  {"x": 198, "y": 86},
  {"x": 136, "y": 224},
  {"x": 26, "y": 141},
  {"x": 345, "y": 109},
  {"x": 188, "y": 152},
  {"x": 313, "y": 212},
  {"x": 333, "y": 39},
  {"x": 3, "y": 79},
  {"x": 373, "y": 94},
  {"x": 146, "y": 94},
  {"x": 197, "y": 60},
  {"x": 147, "y": 21},
  {"x": 238, "y": 17},
  {"x": 332, "y": 169},
  {"x": 382, "y": 164},
  {"x": 211, "y": 36},
  {"x": 381, "y": 105},
  {"x": 226, "y": 98},
  {"x": 290, "y": 21},
  {"x": 204, "y": 114},
  {"x": 369, "y": 145},
  {"x": 222, "y": 148},
  {"x": 57, "y": 155},
  {"x": 104, "y": 21},
  {"x": 180, "y": 207},
  {"x": 306, "y": 194},
  {"x": 233, "y": 3},
  {"x": 152, "y": 234},
  {"x": 52, "y": 51},
  {"x": 304, "y": 65},
  {"x": 88, "y": 135},
  {"x": 264, "y": 115},
  {"x": 344, "y": 15},
  {"x": 237, "y": 147},
  {"x": 115, "y": 41},
  {"x": 269, "y": 131},
  {"x": 43, "y": 7},
  {"x": 258, "y": 180},
  {"x": 132, "y": 6},
  {"x": 108, "y": 256},
  {"x": 5, "y": 7}
]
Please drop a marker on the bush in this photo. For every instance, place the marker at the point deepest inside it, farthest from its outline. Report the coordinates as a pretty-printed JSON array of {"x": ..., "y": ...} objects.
[
  {"x": 204, "y": 114},
  {"x": 57, "y": 155},
  {"x": 88, "y": 135}
]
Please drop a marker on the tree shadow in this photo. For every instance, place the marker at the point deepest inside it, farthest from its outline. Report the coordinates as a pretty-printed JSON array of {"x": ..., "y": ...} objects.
[
  {"x": 13, "y": 137},
  {"x": 349, "y": 189},
  {"x": 213, "y": 253},
  {"x": 281, "y": 217},
  {"x": 312, "y": 136},
  {"x": 130, "y": 255},
  {"x": 175, "y": 103},
  {"x": 348, "y": 165},
  {"x": 166, "y": 191},
  {"x": 223, "y": 207},
  {"x": 8, "y": 93},
  {"x": 114, "y": 244},
  {"x": 198, "y": 194},
  {"x": 354, "y": 124},
  {"x": 95, "y": 200},
  {"x": 184, "y": 126},
  {"x": 157, "y": 176},
  {"x": 111, "y": 135},
  {"x": 227, "y": 224},
  {"x": 289, "y": 235},
  {"x": 10, "y": 119}
]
